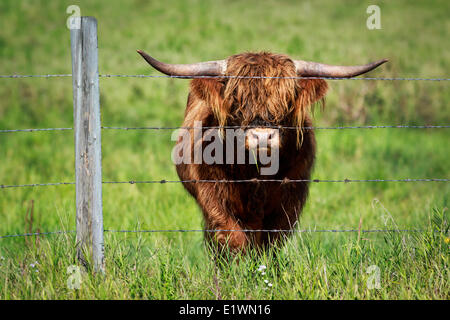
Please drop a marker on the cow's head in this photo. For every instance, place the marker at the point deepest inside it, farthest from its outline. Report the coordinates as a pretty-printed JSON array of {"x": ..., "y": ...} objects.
[{"x": 260, "y": 91}]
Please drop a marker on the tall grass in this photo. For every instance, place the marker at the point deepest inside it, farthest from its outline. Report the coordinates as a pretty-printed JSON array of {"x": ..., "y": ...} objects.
[
  {"x": 311, "y": 266},
  {"x": 34, "y": 40}
]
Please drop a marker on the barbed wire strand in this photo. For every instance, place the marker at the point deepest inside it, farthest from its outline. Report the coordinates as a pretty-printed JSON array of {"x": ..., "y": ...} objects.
[
  {"x": 2, "y": 186},
  {"x": 287, "y": 127},
  {"x": 271, "y": 77},
  {"x": 238, "y": 127},
  {"x": 33, "y": 130},
  {"x": 265, "y": 230},
  {"x": 223, "y": 230},
  {"x": 15, "y": 76},
  {"x": 36, "y": 234},
  {"x": 284, "y": 181}
]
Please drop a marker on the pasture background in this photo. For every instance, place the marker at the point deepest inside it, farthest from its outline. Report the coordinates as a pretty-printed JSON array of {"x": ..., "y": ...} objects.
[{"x": 414, "y": 36}]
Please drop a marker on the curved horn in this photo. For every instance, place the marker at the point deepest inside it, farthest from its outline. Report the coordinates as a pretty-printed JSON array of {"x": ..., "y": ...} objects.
[
  {"x": 208, "y": 68},
  {"x": 314, "y": 69}
]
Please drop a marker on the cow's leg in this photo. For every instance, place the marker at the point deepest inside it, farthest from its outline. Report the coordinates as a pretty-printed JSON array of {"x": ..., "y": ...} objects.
[
  {"x": 286, "y": 214},
  {"x": 284, "y": 218},
  {"x": 229, "y": 237},
  {"x": 221, "y": 207}
]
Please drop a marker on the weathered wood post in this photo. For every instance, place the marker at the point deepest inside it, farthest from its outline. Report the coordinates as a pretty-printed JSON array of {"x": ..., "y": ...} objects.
[{"x": 88, "y": 168}]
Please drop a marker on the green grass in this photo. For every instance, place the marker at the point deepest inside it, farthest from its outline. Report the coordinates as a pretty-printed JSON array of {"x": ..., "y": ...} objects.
[{"x": 34, "y": 40}]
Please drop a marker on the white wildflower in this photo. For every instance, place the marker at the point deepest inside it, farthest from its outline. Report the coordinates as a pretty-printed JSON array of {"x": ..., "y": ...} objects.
[{"x": 262, "y": 268}]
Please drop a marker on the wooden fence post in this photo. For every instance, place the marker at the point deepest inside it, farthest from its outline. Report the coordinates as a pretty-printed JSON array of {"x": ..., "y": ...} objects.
[{"x": 88, "y": 168}]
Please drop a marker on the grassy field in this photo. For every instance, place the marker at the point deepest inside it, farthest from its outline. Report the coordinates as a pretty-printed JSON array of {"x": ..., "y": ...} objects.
[{"x": 414, "y": 36}]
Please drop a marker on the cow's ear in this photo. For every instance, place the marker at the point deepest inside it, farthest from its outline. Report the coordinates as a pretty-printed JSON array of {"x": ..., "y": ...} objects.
[
  {"x": 210, "y": 92},
  {"x": 207, "y": 89},
  {"x": 310, "y": 91}
]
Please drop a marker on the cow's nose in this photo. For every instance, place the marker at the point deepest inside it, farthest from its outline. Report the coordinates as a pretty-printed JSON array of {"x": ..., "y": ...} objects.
[{"x": 262, "y": 138}]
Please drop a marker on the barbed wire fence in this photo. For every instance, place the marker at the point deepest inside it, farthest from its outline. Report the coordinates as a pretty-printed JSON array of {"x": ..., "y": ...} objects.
[
  {"x": 223, "y": 230},
  {"x": 240, "y": 127},
  {"x": 85, "y": 79},
  {"x": 17, "y": 76}
]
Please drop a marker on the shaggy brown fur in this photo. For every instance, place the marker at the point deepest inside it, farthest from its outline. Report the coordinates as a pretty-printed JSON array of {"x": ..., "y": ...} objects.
[{"x": 242, "y": 102}]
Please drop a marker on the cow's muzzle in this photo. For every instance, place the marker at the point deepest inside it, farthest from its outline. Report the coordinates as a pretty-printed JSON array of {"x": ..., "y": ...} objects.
[{"x": 262, "y": 139}]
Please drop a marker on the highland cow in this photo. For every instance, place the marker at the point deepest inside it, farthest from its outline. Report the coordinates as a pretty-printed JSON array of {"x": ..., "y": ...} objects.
[{"x": 262, "y": 94}]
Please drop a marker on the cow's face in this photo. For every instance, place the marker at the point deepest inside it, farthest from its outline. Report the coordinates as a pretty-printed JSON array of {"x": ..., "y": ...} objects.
[{"x": 262, "y": 96}]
